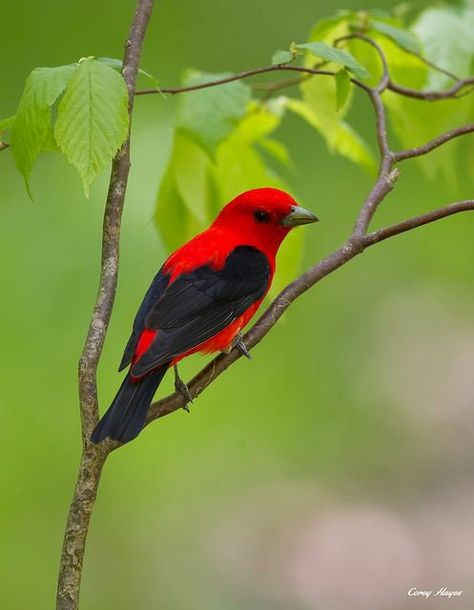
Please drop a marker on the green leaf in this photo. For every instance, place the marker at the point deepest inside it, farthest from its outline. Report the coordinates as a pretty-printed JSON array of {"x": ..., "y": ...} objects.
[
  {"x": 191, "y": 167},
  {"x": 173, "y": 219},
  {"x": 239, "y": 165},
  {"x": 276, "y": 150},
  {"x": 282, "y": 57},
  {"x": 343, "y": 85},
  {"x": 112, "y": 62},
  {"x": 289, "y": 259},
  {"x": 339, "y": 136},
  {"x": 6, "y": 124},
  {"x": 333, "y": 54},
  {"x": 330, "y": 28},
  {"x": 209, "y": 115},
  {"x": 50, "y": 144},
  {"x": 447, "y": 37},
  {"x": 92, "y": 120},
  {"x": 32, "y": 121},
  {"x": 403, "y": 38}
]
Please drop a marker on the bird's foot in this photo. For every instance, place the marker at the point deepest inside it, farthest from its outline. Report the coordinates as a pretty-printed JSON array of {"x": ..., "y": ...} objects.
[
  {"x": 182, "y": 388},
  {"x": 240, "y": 345}
]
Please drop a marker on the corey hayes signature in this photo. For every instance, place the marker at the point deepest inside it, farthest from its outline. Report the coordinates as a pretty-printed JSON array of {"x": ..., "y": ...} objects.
[{"x": 427, "y": 593}]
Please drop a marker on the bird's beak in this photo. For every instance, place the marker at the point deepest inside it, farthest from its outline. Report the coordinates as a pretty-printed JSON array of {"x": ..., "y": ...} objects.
[{"x": 298, "y": 216}]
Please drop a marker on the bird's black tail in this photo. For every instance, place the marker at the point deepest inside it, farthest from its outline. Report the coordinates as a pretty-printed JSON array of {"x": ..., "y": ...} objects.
[{"x": 126, "y": 415}]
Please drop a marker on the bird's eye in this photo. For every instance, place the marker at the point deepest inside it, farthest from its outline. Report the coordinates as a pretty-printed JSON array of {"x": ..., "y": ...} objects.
[{"x": 261, "y": 216}]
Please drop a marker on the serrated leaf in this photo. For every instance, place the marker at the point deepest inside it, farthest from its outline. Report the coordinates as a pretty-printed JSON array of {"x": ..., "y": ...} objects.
[
  {"x": 33, "y": 118},
  {"x": 209, "y": 115},
  {"x": 403, "y": 38},
  {"x": 92, "y": 121},
  {"x": 324, "y": 51},
  {"x": 343, "y": 85},
  {"x": 282, "y": 57}
]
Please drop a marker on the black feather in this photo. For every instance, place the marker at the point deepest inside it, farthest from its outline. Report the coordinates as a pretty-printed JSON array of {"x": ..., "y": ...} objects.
[
  {"x": 199, "y": 304},
  {"x": 154, "y": 292},
  {"x": 126, "y": 415}
]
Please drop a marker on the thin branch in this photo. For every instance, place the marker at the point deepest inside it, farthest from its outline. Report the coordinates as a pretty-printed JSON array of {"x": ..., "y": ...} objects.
[
  {"x": 283, "y": 84},
  {"x": 433, "y": 66},
  {"x": 432, "y": 95},
  {"x": 214, "y": 83},
  {"x": 418, "y": 151},
  {"x": 93, "y": 457},
  {"x": 418, "y": 221},
  {"x": 453, "y": 92},
  {"x": 240, "y": 76},
  {"x": 4, "y": 145}
]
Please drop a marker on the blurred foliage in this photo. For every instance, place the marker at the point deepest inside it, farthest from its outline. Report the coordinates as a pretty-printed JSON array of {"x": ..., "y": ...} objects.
[
  {"x": 221, "y": 132},
  {"x": 363, "y": 398}
]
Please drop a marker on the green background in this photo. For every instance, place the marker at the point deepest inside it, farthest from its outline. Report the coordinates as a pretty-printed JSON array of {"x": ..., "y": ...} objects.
[{"x": 332, "y": 471}]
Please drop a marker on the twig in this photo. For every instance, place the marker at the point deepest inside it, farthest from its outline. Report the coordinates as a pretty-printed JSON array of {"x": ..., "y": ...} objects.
[
  {"x": 93, "y": 457},
  {"x": 418, "y": 221},
  {"x": 230, "y": 79},
  {"x": 4, "y": 145},
  {"x": 406, "y": 91},
  {"x": 432, "y": 95},
  {"x": 432, "y": 144},
  {"x": 283, "y": 84}
]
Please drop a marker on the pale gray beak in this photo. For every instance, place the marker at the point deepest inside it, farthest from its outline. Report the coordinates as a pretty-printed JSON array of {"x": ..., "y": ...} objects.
[{"x": 298, "y": 216}]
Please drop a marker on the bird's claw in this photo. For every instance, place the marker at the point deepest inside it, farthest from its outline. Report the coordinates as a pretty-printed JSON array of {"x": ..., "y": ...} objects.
[
  {"x": 240, "y": 345},
  {"x": 182, "y": 388}
]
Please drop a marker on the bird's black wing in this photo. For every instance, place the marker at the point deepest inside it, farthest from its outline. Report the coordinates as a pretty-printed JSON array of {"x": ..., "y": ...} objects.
[
  {"x": 199, "y": 304},
  {"x": 154, "y": 293}
]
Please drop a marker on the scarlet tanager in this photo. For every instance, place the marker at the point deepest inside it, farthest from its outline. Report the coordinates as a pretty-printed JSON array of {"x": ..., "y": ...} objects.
[{"x": 200, "y": 299}]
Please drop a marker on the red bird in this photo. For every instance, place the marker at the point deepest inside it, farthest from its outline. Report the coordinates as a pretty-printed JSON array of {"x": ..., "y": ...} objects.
[{"x": 200, "y": 299}]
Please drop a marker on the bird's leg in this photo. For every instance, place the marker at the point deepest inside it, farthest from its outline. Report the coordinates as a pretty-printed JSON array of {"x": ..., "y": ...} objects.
[
  {"x": 240, "y": 345},
  {"x": 181, "y": 387}
]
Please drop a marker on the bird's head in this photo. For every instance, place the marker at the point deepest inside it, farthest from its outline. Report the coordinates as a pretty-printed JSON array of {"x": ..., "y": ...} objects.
[{"x": 263, "y": 217}]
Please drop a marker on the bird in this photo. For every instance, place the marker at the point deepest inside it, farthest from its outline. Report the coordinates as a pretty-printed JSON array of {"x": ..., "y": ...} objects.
[{"x": 199, "y": 301}]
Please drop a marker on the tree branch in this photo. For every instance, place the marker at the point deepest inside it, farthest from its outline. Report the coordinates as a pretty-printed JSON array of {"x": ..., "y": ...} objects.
[
  {"x": 418, "y": 151},
  {"x": 418, "y": 221},
  {"x": 453, "y": 92},
  {"x": 432, "y": 95},
  {"x": 93, "y": 457}
]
